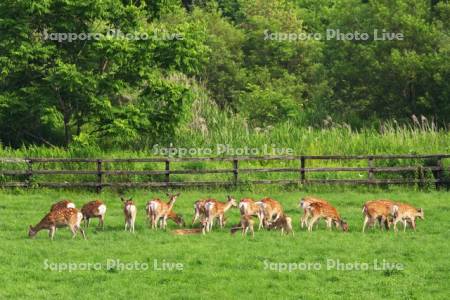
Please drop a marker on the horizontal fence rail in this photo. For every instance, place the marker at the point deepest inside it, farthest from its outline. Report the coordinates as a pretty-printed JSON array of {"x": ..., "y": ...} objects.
[{"x": 101, "y": 172}]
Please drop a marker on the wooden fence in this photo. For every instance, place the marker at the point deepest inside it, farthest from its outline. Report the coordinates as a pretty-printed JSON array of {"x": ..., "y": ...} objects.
[{"x": 101, "y": 173}]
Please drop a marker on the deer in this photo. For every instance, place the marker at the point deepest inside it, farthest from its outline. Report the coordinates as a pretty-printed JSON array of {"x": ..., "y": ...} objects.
[
  {"x": 58, "y": 218},
  {"x": 245, "y": 225},
  {"x": 284, "y": 222},
  {"x": 380, "y": 210},
  {"x": 407, "y": 214},
  {"x": 329, "y": 213},
  {"x": 199, "y": 210},
  {"x": 269, "y": 208},
  {"x": 129, "y": 211},
  {"x": 216, "y": 209},
  {"x": 62, "y": 204},
  {"x": 304, "y": 203},
  {"x": 94, "y": 209},
  {"x": 191, "y": 231},
  {"x": 177, "y": 218},
  {"x": 158, "y": 210}
]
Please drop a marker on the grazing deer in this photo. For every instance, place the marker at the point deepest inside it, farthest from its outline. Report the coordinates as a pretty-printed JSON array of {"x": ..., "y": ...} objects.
[
  {"x": 62, "y": 204},
  {"x": 94, "y": 209},
  {"x": 245, "y": 225},
  {"x": 70, "y": 217},
  {"x": 407, "y": 214},
  {"x": 284, "y": 223},
  {"x": 216, "y": 209},
  {"x": 178, "y": 219},
  {"x": 159, "y": 210},
  {"x": 329, "y": 213},
  {"x": 304, "y": 204},
  {"x": 129, "y": 210},
  {"x": 380, "y": 210},
  {"x": 269, "y": 208},
  {"x": 199, "y": 210}
]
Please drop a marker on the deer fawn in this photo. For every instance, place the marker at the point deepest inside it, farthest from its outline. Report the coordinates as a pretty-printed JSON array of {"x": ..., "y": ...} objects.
[
  {"x": 304, "y": 204},
  {"x": 159, "y": 210},
  {"x": 190, "y": 231},
  {"x": 269, "y": 208},
  {"x": 329, "y": 213},
  {"x": 377, "y": 210},
  {"x": 406, "y": 213},
  {"x": 284, "y": 222},
  {"x": 199, "y": 210},
  {"x": 62, "y": 204},
  {"x": 216, "y": 209},
  {"x": 94, "y": 209},
  {"x": 70, "y": 217},
  {"x": 245, "y": 225},
  {"x": 129, "y": 210}
]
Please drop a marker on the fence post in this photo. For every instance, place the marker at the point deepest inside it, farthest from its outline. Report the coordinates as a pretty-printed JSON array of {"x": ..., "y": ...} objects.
[
  {"x": 302, "y": 169},
  {"x": 370, "y": 165},
  {"x": 29, "y": 172},
  {"x": 421, "y": 177},
  {"x": 440, "y": 173},
  {"x": 235, "y": 171},
  {"x": 167, "y": 172},
  {"x": 99, "y": 176}
]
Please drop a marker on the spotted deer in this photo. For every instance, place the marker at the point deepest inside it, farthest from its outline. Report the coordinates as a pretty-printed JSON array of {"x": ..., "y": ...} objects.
[
  {"x": 407, "y": 214},
  {"x": 129, "y": 211},
  {"x": 284, "y": 223},
  {"x": 62, "y": 204},
  {"x": 94, "y": 209},
  {"x": 58, "y": 218},
  {"x": 304, "y": 204},
  {"x": 245, "y": 225},
  {"x": 377, "y": 210},
  {"x": 216, "y": 210},
  {"x": 159, "y": 210},
  {"x": 270, "y": 211},
  {"x": 248, "y": 207},
  {"x": 327, "y": 212},
  {"x": 199, "y": 210}
]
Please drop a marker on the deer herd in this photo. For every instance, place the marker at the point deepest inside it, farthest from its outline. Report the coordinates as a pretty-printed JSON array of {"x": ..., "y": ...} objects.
[{"x": 209, "y": 212}]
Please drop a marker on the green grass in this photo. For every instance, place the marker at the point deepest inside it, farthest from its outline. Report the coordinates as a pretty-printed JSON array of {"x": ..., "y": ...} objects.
[{"x": 220, "y": 265}]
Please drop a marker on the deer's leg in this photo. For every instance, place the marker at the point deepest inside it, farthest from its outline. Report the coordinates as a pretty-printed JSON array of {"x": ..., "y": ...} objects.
[
  {"x": 51, "y": 232},
  {"x": 196, "y": 216},
  {"x": 366, "y": 219},
  {"x": 311, "y": 222},
  {"x": 413, "y": 224},
  {"x": 221, "y": 221},
  {"x": 396, "y": 220}
]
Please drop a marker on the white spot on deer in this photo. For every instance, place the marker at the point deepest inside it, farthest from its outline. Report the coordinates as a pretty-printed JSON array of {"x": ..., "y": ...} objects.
[
  {"x": 102, "y": 209},
  {"x": 70, "y": 205},
  {"x": 79, "y": 218}
]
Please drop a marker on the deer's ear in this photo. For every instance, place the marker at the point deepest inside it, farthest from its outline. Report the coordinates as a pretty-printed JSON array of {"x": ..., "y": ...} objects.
[
  {"x": 420, "y": 210},
  {"x": 31, "y": 226},
  {"x": 177, "y": 194},
  {"x": 121, "y": 199},
  {"x": 168, "y": 194}
]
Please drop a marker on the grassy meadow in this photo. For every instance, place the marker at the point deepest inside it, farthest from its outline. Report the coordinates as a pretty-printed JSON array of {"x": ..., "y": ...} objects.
[{"x": 220, "y": 265}]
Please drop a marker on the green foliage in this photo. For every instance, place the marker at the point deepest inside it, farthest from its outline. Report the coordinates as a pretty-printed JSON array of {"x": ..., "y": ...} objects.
[{"x": 131, "y": 93}]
